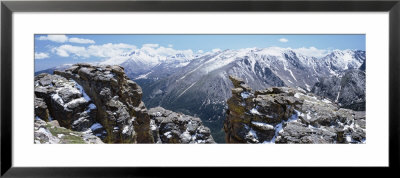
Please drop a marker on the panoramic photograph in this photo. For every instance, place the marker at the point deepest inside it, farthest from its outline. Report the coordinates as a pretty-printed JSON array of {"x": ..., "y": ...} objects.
[{"x": 199, "y": 89}]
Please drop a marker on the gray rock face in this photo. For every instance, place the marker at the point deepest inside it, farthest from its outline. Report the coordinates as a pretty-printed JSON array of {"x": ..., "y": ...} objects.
[
  {"x": 171, "y": 127},
  {"x": 99, "y": 99},
  {"x": 287, "y": 115},
  {"x": 347, "y": 90},
  {"x": 41, "y": 111},
  {"x": 61, "y": 98},
  {"x": 116, "y": 101}
]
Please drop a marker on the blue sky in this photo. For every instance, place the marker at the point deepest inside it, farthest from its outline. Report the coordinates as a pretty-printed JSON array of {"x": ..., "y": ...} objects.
[{"x": 55, "y": 50}]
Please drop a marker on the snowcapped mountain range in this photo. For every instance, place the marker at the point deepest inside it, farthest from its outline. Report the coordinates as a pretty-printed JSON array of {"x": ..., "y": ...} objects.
[
  {"x": 141, "y": 63},
  {"x": 147, "y": 58},
  {"x": 280, "y": 66}
]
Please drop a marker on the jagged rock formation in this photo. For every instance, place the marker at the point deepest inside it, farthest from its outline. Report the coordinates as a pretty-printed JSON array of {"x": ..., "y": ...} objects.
[
  {"x": 101, "y": 98},
  {"x": 101, "y": 101},
  {"x": 171, "y": 127},
  {"x": 57, "y": 97},
  {"x": 286, "y": 115},
  {"x": 52, "y": 133},
  {"x": 347, "y": 90},
  {"x": 117, "y": 99}
]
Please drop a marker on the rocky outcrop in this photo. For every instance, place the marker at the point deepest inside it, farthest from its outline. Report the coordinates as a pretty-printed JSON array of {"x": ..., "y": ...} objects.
[
  {"x": 57, "y": 97},
  {"x": 286, "y": 115},
  {"x": 52, "y": 133},
  {"x": 117, "y": 102},
  {"x": 100, "y": 98},
  {"x": 172, "y": 127},
  {"x": 101, "y": 101},
  {"x": 347, "y": 90}
]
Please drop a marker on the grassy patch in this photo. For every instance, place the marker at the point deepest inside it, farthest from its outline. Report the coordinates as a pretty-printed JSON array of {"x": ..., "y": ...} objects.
[
  {"x": 58, "y": 130},
  {"x": 72, "y": 139},
  {"x": 67, "y": 138}
]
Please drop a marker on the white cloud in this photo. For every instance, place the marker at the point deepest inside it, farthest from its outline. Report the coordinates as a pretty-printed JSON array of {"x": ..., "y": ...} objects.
[
  {"x": 283, "y": 40},
  {"x": 312, "y": 51},
  {"x": 109, "y": 49},
  {"x": 105, "y": 50},
  {"x": 170, "y": 46},
  {"x": 54, "y": 38},
  {"x": 41, "y": 55},
  {"x": 150, "y": 45},
  {"x": 81, "y": 41},
  {"x": 66, "y": 50},
  {"x": 200, "y": 51},
  {"x": 64, "y": 38}
]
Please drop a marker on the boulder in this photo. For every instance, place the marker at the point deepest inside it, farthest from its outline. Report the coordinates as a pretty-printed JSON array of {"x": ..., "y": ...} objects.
[
  {"x": 62, "y": 98},
  {"x": 172, "y": 127}
]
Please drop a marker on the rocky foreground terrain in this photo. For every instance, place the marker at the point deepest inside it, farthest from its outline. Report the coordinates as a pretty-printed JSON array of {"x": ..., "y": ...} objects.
[
  {"x": 172, "y": 127},
  {"x": 52, "y": 133},
  {"x": 96, "y": 104},
  {"x": 286, "y": 115}
]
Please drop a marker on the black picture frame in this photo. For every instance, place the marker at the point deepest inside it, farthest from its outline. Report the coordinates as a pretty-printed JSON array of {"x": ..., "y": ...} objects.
[{"x": 8, "y": 7}]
